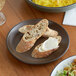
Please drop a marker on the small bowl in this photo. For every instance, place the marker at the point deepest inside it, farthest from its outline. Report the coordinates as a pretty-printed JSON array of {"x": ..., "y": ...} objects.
[
  {"x": 62, "y": 64},
  {"x": 51, "y": 9}
]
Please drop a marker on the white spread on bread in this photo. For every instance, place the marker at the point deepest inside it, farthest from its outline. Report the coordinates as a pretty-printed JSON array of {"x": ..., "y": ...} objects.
[{"x": 50, "y": 44}]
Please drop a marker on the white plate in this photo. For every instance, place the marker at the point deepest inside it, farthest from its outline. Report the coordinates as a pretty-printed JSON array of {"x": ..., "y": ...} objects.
[{"x": 62, "y": 64}]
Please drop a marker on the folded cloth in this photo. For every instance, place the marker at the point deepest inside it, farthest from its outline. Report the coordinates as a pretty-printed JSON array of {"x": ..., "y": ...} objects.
[{"x": 70, "y": 17}]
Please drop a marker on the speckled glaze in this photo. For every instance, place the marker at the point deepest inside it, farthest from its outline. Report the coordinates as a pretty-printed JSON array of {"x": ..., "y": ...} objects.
[{"x": 51, "y": 9}]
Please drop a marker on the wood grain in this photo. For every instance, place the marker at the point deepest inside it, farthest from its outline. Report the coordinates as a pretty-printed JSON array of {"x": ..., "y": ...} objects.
[{"x": 17, "y": 11}]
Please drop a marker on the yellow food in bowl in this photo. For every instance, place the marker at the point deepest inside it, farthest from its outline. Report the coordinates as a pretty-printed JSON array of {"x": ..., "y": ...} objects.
[{"x": 54, "y": 3}]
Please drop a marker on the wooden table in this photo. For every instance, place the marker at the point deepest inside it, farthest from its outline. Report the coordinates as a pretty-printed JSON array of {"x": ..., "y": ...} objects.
[{"x": 17, "y": 11}]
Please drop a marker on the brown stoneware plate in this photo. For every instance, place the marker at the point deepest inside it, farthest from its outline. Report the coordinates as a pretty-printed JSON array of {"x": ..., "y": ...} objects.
[{"x": 14, "y": 37}]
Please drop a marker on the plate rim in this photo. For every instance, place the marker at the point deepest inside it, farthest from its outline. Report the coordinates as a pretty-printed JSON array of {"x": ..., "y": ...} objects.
[
  {"x": 37, "y": 63},
  {"x": 60, "y": 62}
]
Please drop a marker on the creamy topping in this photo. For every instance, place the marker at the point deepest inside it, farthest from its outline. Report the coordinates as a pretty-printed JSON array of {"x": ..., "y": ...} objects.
[{"x": 49, "y": 44}]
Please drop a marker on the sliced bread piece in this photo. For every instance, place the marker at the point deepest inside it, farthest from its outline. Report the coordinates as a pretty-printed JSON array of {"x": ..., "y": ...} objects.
[
  {"x": 47, "y": 47},
  {"x": 31, "y": 36},
  {"x": 49, "y": 32},
  {"x": 25, "y": 28}
]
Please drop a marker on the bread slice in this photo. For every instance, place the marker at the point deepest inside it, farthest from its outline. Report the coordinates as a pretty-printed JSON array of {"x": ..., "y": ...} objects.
[
  {"x": 31, "y": 36},
  {"x": 37, "y": 54},
  {"x": 49, "y": 32},
  {"x": 25, "y": 28}
]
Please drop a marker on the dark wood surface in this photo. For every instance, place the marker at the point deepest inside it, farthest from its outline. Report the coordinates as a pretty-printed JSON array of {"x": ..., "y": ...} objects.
[{"x": 15, "y": 12}]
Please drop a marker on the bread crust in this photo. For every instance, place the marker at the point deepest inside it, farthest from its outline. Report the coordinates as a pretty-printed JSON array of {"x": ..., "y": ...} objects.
[{"x": 24, "y": 44}]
